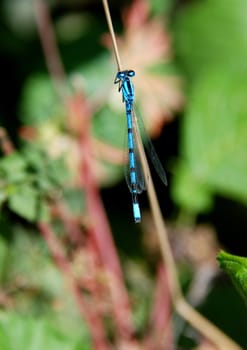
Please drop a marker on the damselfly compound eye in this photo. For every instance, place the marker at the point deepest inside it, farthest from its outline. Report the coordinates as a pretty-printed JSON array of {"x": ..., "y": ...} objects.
[{"x": 131, "y": 73}]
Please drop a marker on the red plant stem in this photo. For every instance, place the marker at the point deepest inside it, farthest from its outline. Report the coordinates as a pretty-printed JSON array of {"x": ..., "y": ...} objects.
[
  {"x": 163, "y": 301},
  {"x": 71, "y": 225},
  {"x": 5, "y": 143},
  {"x": 81, "y": 240},
  {"x": 48, "y": 42},
  {"x": 102, "y": 236},
  {"x": 91, "y": 317},
  {"x": 161, "y": 335}
]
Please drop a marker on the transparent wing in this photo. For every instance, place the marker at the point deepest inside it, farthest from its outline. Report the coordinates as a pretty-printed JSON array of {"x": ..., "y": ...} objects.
[{"x": 150, "y": 147}]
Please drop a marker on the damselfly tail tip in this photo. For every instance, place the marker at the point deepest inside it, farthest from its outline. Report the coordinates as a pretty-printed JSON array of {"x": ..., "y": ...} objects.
[{"x": 136, "y": 212}]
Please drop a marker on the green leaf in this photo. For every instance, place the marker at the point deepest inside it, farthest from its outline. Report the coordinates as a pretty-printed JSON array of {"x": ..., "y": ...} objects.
[
  {"x": 236, "y": 267},
  {"x": 28, "y": 178},
  {"x": 49, "y": 172},
  {"x": 214, "y": 140},
  {"x": 13, "y": 167},
  {"x": 25, "y": 201},
  {"x": 57, "y": 172},
  {"x": 35, "y": 334},
  {"x": 211, "y": 32},
  {"x": 39, "y": 101},
  {"x": 189, "y": 192},
  {"x": 96, "y": 76},
  {"x": 35, "y": 156},
  {"x": 110, "y": 126},
  {"x": 159, "y": 7}
]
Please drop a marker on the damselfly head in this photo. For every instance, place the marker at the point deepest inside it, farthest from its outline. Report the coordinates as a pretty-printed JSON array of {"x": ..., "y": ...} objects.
[{"x": 124, "y": 74}]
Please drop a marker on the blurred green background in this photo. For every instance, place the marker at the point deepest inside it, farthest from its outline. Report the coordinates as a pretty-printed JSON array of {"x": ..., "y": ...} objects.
[{"x": 202, "y": 143}]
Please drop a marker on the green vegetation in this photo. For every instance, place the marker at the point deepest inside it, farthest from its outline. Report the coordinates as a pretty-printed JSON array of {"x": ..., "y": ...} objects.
[{"x": 66, "y": 280}]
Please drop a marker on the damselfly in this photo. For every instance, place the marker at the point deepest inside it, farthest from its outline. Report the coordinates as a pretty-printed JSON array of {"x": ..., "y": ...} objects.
[{"x": 135, "y": 177}]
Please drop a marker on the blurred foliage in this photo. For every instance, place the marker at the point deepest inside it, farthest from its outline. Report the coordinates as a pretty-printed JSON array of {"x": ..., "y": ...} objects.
[
  {"x": 39, "y": 102},
  {"x": 34, "y": 334},
  {"x": 41, "y": 108},
  {"x": 28, "y": 179},
  {"x": 211, "y": 33},
  {"x": 36, "y": 289},
  {"x": 211, "y": 43}
]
